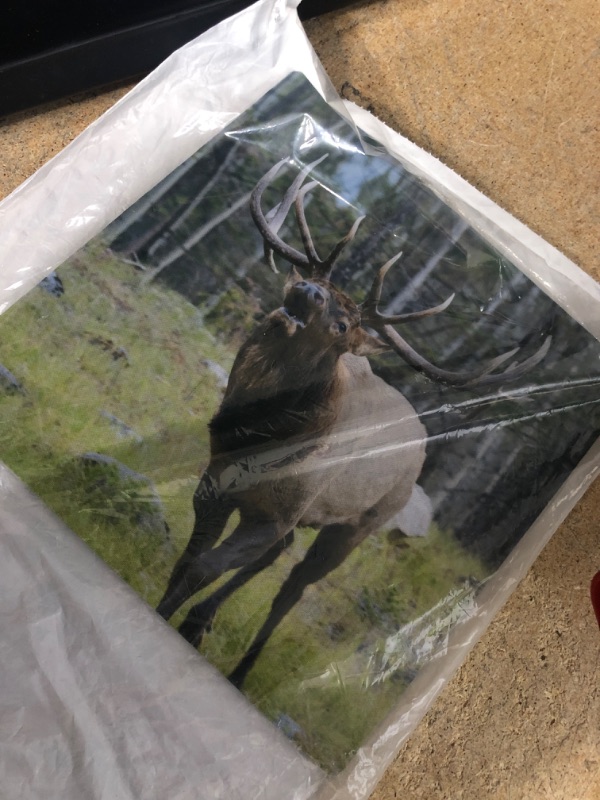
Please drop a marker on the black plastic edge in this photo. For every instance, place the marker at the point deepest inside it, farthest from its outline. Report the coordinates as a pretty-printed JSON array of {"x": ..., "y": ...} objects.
[{"x": 117, "y": 57}]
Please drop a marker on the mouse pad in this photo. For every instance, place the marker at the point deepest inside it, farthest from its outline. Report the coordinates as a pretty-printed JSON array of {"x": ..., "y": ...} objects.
[{"x": 309, "y": 465}]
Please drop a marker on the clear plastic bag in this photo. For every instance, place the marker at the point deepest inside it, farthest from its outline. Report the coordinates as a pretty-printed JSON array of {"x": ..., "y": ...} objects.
[{"x": 434, "y": 490}]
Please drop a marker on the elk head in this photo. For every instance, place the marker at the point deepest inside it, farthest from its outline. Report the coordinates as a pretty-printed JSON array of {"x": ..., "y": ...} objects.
[{"x": 326, "y": 320}]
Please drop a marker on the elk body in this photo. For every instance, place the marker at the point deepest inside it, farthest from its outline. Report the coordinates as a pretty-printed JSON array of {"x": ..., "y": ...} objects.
[{"x": 306, "y": 434}]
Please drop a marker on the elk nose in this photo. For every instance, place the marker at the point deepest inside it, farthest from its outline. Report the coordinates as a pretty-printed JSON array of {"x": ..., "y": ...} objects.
[
  {"x": 317, "y": 296},
  {"x": 313, "y": 293}
]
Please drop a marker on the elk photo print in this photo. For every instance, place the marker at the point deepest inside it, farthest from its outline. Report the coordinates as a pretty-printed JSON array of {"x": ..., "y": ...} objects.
[{"x": 303, "y": 408}]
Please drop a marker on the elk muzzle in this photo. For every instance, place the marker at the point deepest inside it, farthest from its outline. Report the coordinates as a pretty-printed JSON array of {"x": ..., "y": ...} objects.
[{"x": 304, "y": 299}]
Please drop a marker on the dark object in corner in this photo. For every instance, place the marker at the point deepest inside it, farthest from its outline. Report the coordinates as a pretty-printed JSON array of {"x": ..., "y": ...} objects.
[
  {"x": 48, "y": 54},
  {"x": 595, "y": 595}
]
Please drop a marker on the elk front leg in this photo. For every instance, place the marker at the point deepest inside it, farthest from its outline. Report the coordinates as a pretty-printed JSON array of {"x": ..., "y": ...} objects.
[
  {"x": 249, "y": 541},
  {"x": 212, "y": 511},
  {"x": 200, "y": 617},
  {"x": 332, "y": 546}
]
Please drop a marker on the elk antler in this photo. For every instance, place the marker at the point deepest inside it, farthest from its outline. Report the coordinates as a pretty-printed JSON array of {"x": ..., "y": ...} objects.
[
  {"x": 382, "y": 324},
  {"x": 270, "y": 223}
]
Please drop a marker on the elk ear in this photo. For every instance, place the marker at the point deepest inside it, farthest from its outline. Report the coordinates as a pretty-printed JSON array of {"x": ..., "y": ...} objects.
[
  {"x": 293, "y": 277},
  {"x": 365, "y": 344}
]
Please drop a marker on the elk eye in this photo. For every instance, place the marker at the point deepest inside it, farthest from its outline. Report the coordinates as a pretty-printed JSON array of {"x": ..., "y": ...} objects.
[{"x": 342, "y": 327}]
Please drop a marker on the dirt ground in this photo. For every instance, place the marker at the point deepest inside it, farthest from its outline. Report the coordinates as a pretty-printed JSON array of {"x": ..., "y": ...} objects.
[{"x": 507, "y": 93}]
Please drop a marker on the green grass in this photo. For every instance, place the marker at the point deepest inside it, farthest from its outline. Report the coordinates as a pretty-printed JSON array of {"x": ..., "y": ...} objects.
[
  {"x": 113, "y": 345},
  {"x": 110, "y": 346},
  {"x": 328, "y": 628}
]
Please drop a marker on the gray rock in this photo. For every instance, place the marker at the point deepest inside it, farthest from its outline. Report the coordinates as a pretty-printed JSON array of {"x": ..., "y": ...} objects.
[
  {"x": 289, "y": 727},
  {"x": 8, "y": 382},
  {"x": 122, "y": 428},
  {"x": 416, "y": 516},
  {"x": 126, "y": 493},
  {"x": 52, "y": 284},
  {"x": 218, "y": 371}
]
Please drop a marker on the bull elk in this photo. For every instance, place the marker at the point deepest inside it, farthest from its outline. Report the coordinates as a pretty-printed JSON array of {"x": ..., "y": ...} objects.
[{"x": 306, "y": 433}]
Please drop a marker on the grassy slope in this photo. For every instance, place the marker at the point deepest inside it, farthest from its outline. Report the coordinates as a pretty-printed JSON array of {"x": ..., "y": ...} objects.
[
  {"x": 68, "y": 355},
  {"x": 63, "y": 351}
]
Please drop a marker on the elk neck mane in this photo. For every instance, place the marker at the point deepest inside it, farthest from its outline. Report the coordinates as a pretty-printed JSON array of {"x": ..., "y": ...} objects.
[{"x": 273, "y": 398}]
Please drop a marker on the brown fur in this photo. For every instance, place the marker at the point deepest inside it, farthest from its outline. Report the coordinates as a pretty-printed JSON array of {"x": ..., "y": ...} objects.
[{"x": 306, "y": 434}]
